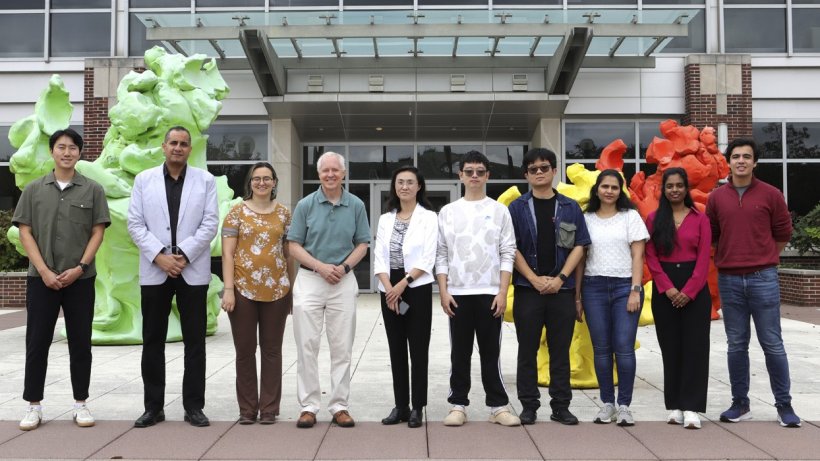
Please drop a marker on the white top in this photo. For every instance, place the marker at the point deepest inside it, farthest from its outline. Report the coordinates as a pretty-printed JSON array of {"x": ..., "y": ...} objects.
[
  {"x": 418, "y": 248},
  {"x": 610, "y": 254},
  {"x": 475, "y": 243}
]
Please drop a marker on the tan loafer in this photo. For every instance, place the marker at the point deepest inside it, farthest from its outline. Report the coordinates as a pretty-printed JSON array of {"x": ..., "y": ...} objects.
[
  {"x": 306, "y": 419},
  {"x": 343, "y": 419}
]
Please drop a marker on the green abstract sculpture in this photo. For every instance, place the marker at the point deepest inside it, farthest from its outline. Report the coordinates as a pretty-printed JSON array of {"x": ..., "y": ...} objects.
[{"x": 173, "y": 90}]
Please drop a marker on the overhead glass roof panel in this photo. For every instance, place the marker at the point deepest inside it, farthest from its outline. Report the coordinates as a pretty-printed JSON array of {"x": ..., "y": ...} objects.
[
  {"x": 283, "y": 48},
  {"x": 357, "y": 46},
  {"x": 316, "y": 47},
  {"x": 515, "y": 46},
  {"x": 438, "y": 46},
  {"x": 394, "y": 46}
]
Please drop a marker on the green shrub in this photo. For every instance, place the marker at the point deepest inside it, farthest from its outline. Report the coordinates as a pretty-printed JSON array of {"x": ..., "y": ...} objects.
[
  {"x": 10, "y": 259},
  {"x": 806, "y": 238}
]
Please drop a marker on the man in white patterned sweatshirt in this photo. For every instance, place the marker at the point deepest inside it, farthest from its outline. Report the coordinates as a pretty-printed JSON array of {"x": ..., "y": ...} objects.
[{"x": 474, "y": 263}]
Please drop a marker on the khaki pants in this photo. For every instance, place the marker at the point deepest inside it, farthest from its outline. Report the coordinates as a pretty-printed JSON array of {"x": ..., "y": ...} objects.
[{"x": 317, "y": 303}]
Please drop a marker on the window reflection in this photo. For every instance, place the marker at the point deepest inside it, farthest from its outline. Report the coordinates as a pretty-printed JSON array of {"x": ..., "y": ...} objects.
[
  {"x": 505, "y": 161},
  {"x": 755, "y": 30},
  {"x": 81, "y": 34},
  {"x": 441, "y": 162},
  {"x": 377, "y": 162},
  {"x": 769, "y": 139},
  {"x": 803, "y": 140},
  {"x": 647, "y": 131},
  {"x": 6, "y": 149},
  {"x": 237, "y": 142},
  {"x": 9, "y": 193},
  {"x": 805, "y": 33},
  {"x": 587, "y": 140},
  {"x": 695, "y": 42},
  {"x": 21, "y": 35},
  {"x": 771, "y": 173},
  {"x": 803, "y": 199}
]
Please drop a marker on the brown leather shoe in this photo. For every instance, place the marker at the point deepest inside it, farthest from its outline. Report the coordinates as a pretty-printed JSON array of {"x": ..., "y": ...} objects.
[
  {"x": 306, "y": 419},
  {"x": 343, "y": 419}
]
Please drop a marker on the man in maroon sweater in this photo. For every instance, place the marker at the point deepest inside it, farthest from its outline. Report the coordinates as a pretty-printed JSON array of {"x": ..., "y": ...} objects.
[{"x": 750, "y": 227}]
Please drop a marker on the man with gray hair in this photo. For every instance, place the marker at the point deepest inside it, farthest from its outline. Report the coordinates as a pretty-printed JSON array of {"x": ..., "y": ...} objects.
[{"x": 329, "y": 234}]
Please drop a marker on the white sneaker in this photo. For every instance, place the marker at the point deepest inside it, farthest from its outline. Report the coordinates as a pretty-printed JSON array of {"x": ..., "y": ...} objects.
[
  {"x": 456, "y": 417},
  {"x": 606, "y": 415},
  {"x": 625, "y": 416},
  {"x": 82, "y": 416},
  {"x": 505, "y": 418},
  {"x": 691, "y": 420},
  {"x": 676, "y": 417},
  {"x": 32, "y": 420}
]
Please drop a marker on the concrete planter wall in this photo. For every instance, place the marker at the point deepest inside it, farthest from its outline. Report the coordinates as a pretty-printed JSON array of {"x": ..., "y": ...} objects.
[
  {"x": 800, "y": 287},
  {"x": 12, "y": 290}
]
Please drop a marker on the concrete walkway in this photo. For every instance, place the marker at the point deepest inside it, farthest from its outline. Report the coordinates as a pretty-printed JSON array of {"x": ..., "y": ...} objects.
[{"x": 116, "y": 400}]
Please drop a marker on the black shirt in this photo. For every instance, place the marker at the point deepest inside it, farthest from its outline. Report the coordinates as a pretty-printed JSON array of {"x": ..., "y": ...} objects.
[
  {"x": 545, "y": 226},
  {"x": 173, "y": 193}
]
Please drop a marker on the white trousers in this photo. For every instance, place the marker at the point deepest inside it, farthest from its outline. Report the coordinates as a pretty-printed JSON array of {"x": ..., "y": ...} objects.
[{"x": 317, "y": 303}]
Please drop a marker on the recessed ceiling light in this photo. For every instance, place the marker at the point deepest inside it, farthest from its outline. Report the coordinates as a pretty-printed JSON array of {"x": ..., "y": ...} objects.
[
  {"x": 453, "y": 129},
  {"x": 378, "y": 128}
]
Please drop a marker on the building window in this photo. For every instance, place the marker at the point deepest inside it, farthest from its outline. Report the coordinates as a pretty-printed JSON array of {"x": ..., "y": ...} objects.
[
  {"x": 22, "y": 35},
  {"x": 806, "y": 30},
  {"x": 80, "y": 34},
  {"x": 233, "y": 148},
  {"x": 755, "y": 30},
  {"x": 377, "y": 162},
  {"x": 790, "y": 161},
  {"x": 311, "y": 154},
  {"x": 695, "y": 42}
]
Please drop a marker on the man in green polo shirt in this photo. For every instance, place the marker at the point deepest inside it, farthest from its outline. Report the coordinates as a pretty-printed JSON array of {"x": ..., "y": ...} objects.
[
  {"x": 328, "y": 236},
  {"x": 62, "y": 218}
]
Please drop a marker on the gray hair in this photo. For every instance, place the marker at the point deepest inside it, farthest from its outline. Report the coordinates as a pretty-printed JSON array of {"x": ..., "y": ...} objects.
[{"x": 327, "y": 154}]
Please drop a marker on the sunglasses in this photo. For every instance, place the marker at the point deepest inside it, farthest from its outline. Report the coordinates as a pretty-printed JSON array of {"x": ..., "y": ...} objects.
[
  {"x": 539, "y": 169},
  {"x": 469, "y": 173}
]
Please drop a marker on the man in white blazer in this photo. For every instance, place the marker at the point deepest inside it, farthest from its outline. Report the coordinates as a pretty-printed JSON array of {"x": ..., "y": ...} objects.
[{"x": 172, "y": 218}]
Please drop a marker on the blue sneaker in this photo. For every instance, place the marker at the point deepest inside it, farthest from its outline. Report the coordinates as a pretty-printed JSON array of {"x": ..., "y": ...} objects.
[
  {"x": 736, "y": 413},
  {"x": 787, "y": 417}
]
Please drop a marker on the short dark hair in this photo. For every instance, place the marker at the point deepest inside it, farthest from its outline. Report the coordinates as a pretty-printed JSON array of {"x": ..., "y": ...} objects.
[
  {"x": 393, "y": 202},
  {"x": 539, "y": 153},
  {"x": 256, "y": 166},
  {"x": 740, "y": 142},
  {"x": 474, "y": 156},
  {"x": 78, "y": 140},
  {"x": 622, "y": 204},
  {"x": 178, "y": 128}
]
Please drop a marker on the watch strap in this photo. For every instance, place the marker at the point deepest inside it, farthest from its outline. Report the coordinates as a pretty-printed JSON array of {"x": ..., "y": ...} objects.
[{"x": 409, "y": 279}]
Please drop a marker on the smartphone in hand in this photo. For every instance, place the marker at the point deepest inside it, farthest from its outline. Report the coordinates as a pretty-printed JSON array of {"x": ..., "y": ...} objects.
[{"x": 403, "y": 306}]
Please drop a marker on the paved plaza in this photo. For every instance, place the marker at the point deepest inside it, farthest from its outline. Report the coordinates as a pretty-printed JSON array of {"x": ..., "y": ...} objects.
[{"x": 116, "y": 400}]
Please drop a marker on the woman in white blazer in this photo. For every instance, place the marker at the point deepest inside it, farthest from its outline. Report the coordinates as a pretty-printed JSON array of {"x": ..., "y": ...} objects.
[{"x": 404, "y": 257}]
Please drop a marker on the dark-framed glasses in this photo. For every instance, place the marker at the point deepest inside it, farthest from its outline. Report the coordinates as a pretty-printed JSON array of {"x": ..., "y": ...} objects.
[
  {"x": 470, "y": 172},
  {"x": 259, "y": 179},
  {"x": 539, "y": 169}
]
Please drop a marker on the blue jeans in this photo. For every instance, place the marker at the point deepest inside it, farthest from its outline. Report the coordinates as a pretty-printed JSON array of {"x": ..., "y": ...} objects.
[
  {"x": 613, "y": 331},
  {"x": 755, "y": 295}
]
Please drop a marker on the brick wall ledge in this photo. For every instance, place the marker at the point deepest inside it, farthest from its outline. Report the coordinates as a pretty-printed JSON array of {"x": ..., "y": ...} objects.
[{"x": 792, "y": 271}]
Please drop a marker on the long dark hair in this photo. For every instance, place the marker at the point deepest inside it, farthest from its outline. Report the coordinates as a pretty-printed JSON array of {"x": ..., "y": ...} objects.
[
  {"x": 664, "y": 231},
  {"x": 393, "y": 202},
  {"x": 249, "y": 189},
  {"x": 622, "y": 204}
]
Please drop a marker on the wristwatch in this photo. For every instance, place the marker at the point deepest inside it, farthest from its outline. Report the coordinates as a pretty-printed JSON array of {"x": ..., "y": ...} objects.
[
  {"x": 409, "y": 279},
  {"x": 83, "y": 267},
  {"x": 562, "y": 276},
  {"x": 636, "y": 288},
  {"x": 347, "y": 267}
]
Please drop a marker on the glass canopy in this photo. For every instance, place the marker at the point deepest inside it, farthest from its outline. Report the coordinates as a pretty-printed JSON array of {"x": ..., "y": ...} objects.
[{"x": 426, "y": 33}]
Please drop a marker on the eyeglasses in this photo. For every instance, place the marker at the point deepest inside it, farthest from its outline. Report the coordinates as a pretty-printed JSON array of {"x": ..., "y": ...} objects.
[
  {"x": 470, "y": 172},
  {"x": 408, "y": 183},
  {"x": 539, "y": 169},
  {"x": 71, "y": 148},
  {"x": 258, "y": 179}
]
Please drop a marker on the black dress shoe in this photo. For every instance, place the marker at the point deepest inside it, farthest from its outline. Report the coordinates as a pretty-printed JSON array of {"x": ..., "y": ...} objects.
[
  {"x": 197, "y": 418},
  {"x": 415, "y": 418},
  {"x": 149, "y": 418},
  {"x": 528, "y": 416},
  {"x": 397, "y": 415},
  {"x": 563, "y": 416}
]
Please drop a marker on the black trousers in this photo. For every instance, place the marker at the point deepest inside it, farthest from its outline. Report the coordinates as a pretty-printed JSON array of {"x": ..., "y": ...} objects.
[
  {"x": 532, "y": 313},
  {"x": 156, "y": 307},
  {"x": 473, "y": 318},
  {"x": 683, "y": 335},
  {"x": 42, "y": 309},
  {"x": 409, "y": 330}
]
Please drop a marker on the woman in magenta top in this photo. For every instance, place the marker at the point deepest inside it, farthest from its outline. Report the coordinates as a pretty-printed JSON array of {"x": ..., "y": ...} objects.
[{"x": 678, "y": 258}]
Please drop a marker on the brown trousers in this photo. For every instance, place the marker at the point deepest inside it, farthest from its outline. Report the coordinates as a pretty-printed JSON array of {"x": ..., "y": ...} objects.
[{"x": 269, "y": 318}]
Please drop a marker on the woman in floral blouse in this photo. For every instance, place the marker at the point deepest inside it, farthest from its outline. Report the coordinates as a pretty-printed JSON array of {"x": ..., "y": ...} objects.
[{"x": 257, "y": 294}]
